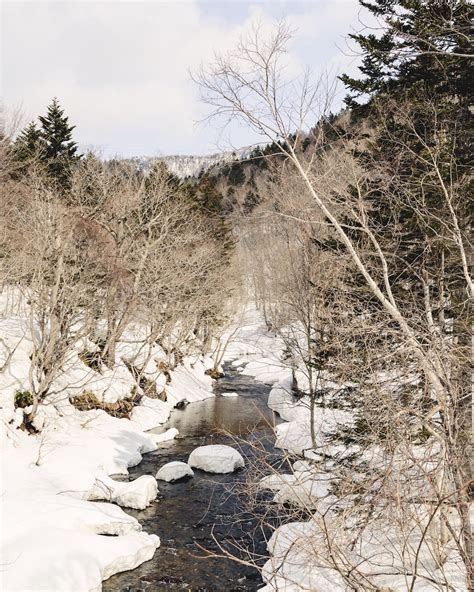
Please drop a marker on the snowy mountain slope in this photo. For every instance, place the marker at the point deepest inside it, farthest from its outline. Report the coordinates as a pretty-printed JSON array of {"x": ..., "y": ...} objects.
[{"x": 184, "y": 166}]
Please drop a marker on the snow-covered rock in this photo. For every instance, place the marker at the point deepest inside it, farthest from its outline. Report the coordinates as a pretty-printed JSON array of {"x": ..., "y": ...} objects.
[
  {"x": 173, "y": 471},
  {"x": 137, "y": 494},
  {"x": 216, "y": 458}
]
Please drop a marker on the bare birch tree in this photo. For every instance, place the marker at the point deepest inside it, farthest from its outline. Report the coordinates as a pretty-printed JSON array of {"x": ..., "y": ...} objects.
[{"x": 250, "y": 85}]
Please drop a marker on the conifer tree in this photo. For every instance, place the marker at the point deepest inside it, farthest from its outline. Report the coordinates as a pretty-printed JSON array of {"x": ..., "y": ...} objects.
[
  {"x": 417, "y": 75},
  {"x": 28, "y": 143},
  {"x": 419, "y": 40},
  {"x": 59, "y": 149}
]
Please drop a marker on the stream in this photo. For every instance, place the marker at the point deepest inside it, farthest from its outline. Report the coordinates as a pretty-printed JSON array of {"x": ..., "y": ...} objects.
[{"x": 188, "y": 513}]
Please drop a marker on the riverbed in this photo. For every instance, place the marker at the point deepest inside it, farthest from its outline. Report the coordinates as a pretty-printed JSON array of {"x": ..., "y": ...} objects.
[{"x": 189, "y": 514}]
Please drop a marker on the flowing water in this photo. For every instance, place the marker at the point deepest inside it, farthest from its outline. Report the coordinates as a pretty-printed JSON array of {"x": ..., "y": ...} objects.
[{"x": 188, "y": 514}]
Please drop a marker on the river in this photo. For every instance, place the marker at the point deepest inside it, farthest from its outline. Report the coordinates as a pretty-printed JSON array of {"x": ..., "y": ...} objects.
[{"x": 188, "y": 513}]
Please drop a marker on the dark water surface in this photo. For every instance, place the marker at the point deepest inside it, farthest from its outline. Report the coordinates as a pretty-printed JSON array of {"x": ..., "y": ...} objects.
[{"x": 187, "y": 514}]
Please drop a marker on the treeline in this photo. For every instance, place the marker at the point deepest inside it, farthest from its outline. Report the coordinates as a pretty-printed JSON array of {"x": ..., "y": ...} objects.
[{"x": 95, "y": 247}]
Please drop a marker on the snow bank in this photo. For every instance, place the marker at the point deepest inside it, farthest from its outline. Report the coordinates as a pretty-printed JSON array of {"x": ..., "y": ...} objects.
[
  {"x": 300, "y": 559},
  {"x": 173, "y": 471},
  {"x": 299, "y": 556},
  {"x": 58, "y": 560},
  {"x": 150, "y": 413},
  {"x": 250, "y": 340},
  {"x": 304, "y": 489},
  {"x": 292, "y": 565},
  {"x": 190, "y": 382},
  {"x": 216, "y": 458},
  {"x": 137, "y": 494},
  {"x": 54, "y": 536}
]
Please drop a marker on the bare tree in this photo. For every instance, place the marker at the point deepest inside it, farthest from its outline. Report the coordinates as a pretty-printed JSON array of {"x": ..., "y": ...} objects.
[
  {"x": 42, "y": 257},
  {"x": 250, "y": 85}
]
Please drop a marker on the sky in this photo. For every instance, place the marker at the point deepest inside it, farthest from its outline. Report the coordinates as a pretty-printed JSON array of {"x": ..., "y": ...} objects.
[{"x": 121, "y": 69}]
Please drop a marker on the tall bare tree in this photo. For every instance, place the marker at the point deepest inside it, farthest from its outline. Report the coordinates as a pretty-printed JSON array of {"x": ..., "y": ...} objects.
[{"x": 250, "y": 85}]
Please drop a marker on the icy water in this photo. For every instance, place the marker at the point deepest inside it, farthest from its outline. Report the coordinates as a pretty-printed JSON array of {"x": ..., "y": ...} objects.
[{"x": 189, "y": 513}]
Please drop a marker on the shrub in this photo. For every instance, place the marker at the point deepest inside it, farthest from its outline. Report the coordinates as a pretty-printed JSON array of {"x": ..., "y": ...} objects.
[
  {"x": 88, "y": 400},
  {"x": 23, "y": 399},
  {"x": 91, "y": 359}
]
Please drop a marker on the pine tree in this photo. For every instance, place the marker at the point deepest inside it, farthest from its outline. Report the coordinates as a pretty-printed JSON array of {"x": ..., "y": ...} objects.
[{"x": 59, "y": 149}]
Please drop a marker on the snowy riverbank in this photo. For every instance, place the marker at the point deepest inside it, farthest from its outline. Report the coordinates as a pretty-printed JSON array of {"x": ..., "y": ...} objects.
[
  {"x": 59, "y": 531},
  {"x": 302, "y": 559},
  {"x": 52, "y": 535},
  {"x": 56, "y": 534}
]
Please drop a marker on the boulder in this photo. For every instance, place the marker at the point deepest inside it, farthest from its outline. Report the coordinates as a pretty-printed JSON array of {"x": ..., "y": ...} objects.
[
  {"x": 216, "y": 458},
  {"x": 173, "y": 471}
]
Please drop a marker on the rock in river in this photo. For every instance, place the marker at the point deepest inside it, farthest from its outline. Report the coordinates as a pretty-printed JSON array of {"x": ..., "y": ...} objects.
[
  {"x": 173, "y": 471},
  {"x": 217, "y": 458}
]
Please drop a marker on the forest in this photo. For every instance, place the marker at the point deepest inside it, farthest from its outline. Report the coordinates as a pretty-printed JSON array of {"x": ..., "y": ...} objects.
[{"x": 331, "y": 262}]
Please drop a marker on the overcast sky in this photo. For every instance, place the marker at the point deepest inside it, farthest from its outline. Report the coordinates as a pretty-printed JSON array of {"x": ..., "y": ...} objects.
[{"x": 121, "y": 68}]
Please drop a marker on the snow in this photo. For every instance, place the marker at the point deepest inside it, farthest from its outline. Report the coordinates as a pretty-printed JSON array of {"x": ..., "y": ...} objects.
[
  {"x": 300, "y": 559},
  {"x": 230, "y": 394},
  {"x": 150, "y": 413},
  {"x": 190, "y": 382},
  {"x": 184, "y": 165},
  {"x": 299, "y": 555},
  {"x": 173, "y": 471},
  {"x": 295, "y": 434},
  {"x": 52, "y": 534},
  {"x": 250, "y": 341},
  {"x": 62, "y": 525},
  {"x": 170, "y": 434},
  {"x": 216, "y": 458},
  {"x": 291, "y": 567},
  {"x": 59, "y": 560},
  {"x": 305, "y": 489},
  {"x": 137, "y": 494}
]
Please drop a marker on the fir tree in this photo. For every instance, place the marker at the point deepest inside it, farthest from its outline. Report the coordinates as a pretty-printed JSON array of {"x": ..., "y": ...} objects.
[
  {"x": 420, "y": 40},
  {"x": 28, "y": 143},
  {"x": 59, "y": 149},
  {"x": 416, "y": 75}
]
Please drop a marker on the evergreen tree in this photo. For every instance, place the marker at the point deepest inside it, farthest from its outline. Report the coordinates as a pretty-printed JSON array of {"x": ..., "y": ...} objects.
[
  {"x": 420, "y": 40},
  {"x": 59, "y": 149},
  {"x": 28, "y": 143},
  {"x": 236, "y": 174},
  {"x": 418, "y": 80}
]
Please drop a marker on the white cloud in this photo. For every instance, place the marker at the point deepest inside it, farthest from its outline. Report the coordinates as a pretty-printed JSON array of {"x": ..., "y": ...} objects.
[{"x": 120, "y": 69}]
